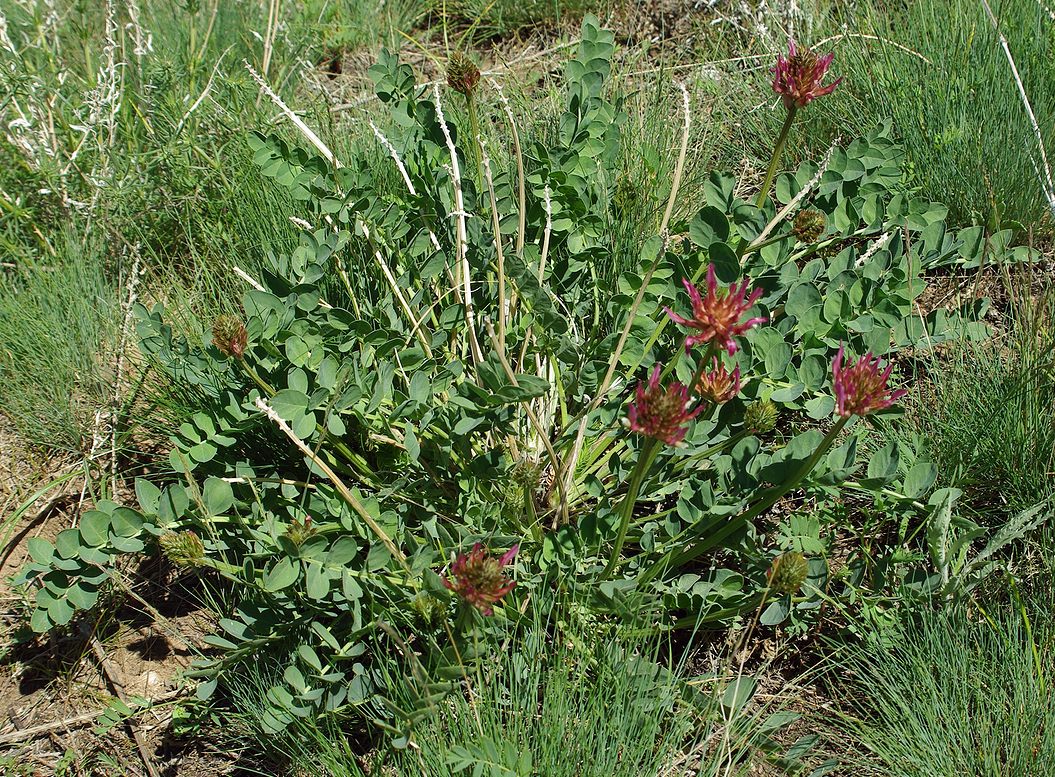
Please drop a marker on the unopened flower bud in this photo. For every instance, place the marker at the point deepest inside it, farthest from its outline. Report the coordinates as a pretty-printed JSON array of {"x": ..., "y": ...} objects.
[
  {"x": 299, "y": 531},
  {"x": 462, "y": 74},
  {"x": 229, "y": 336},
  {"x": 430, "y": 610},
  {"x": 760, "y": 417},
  {"x": 184, "y": 548},
  {"x": 809, "y": 225},
  {"x": 788, "y": 572},
  {"x": 527, "y": 474}
]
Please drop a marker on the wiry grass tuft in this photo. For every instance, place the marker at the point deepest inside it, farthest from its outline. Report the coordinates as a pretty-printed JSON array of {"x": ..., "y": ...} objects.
[
  {"x": 958, "y": 692},
  {"x": 984, "y": 412}
]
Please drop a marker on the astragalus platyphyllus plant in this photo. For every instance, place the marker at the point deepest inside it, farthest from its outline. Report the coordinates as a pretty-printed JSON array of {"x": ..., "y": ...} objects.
[{"x": 446, "y": 362}]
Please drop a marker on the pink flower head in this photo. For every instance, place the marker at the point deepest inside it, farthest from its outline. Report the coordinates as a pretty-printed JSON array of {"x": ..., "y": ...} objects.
[
  {"x": 718, "y": 385},
  {"x": 661, "y": 413},
  {"x": 797, "y": 79},
  {"x": 478, "y": 577},
  {"x": 862, "y": 389},
  {"x": 716, "y": 317}
]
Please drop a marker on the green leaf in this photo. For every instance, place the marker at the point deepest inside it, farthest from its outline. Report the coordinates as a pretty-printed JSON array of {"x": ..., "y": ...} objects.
[
  {"x": 39, "y": 621},
  {"x": 310, "y": 657},
  {"x": 317, "y": 581},
  {"x": 738, "y": 693},
  {"x": 708, "y": 226},
  {"x": 149, "y": 496},
  {"x": 68, "y": 543},
  {"x": 83, "y": 596},
  {"x": 94, "y": 528},
  {"x": 343, "y": 550},
  {"x": 40, "y": 550},
  {"x": 776, "y": 613},
  {"x": 726, "y": 264},
  {"x": 174, "y": 504},
  {"x": 882, "y": 467},
  {"x": 282, "y": 575},
  {"x": 218, "y": 496},
  {"x": 203, "y": 452},
  {"x": 290, "y": 404},
  {"x": 920, "y": 479},
  {"x": 126, "y": 544},
  {"x": 125, "y": 522},
  {"x": 205, "y": 689},
  {"x": 60, "y": 612}
]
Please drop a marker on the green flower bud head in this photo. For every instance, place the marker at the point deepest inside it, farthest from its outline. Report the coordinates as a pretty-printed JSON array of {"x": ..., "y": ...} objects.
[
  {"x": 760, "y": 417},
  {"x": 462, "y": 74},
  {"x": 788, "y": 572},
  {"x": 809, "y": 225},
  {"x": 184, "y": 548},
  {"x": 229, "y": 336},
  {"x": 430, "y": 610},
  {"x": 527, "y": 474},
  {"x": 299, "y": 531}
]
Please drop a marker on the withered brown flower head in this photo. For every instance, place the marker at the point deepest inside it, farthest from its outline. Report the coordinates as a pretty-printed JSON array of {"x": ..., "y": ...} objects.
[{"x": 479, "y": 578}]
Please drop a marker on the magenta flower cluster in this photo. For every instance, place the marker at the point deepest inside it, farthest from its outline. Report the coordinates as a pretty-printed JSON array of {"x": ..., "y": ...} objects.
[
  {"x": 479, "y": 578},
  {"x": 798, "y": 78},
  {"x": 716, "y": 318},
  {"x": 661, "y": 413},
  {"x": 719, "y": 316},
  {"x": 861, "y": 388}
]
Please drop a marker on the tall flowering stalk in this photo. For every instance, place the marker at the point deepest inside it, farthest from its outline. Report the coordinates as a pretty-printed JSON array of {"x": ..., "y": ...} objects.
[
  {"x": 661, "y": 415},
  {"x": 860, "y": 389},
  {"x": 463, "y": 76},
  {"x": 798, "y": 80},
  {"x": 716, "y": 317}
]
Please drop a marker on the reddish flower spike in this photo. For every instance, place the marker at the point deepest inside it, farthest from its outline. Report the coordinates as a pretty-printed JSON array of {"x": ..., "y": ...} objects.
[
  {"x": 798, "y": 78},
  {"x": 861, "y": 389},
  {"x": 661, "y": 413},
  {"x": 716, "y": 317},
  {"x": 477, "y": 577},
  {"x": 719, "y": 385}
]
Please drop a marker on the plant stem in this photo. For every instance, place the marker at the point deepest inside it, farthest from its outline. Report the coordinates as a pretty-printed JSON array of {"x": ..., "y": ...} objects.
[
  {"x": 626, "y": 508},
  {"x": 674, "y": 558},
  {"x": 778, "y": 151}
]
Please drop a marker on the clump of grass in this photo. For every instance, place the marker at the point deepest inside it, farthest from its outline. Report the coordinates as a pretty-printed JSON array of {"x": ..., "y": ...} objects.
[
  {"x": 494, "y": 19},
  {"x": 59, "y": 325},
  {"x": 984, "y": 411},
  {"x": 565, "y": 695},
  {"x": 939, "y": 72},
  {"x": 953, "y": 693}
]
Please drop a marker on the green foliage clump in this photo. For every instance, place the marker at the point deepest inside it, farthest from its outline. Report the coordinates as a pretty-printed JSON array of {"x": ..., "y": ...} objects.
[{"x": 436, "y": 365}]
